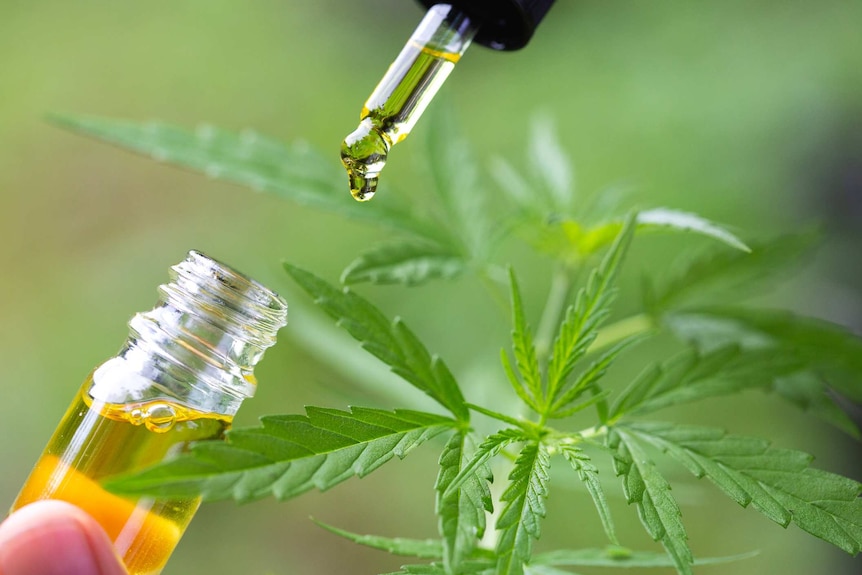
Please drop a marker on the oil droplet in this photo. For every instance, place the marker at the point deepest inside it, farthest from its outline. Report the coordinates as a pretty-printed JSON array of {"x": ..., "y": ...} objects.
[
  {"x": 363, "y": 154},
  {"x": 362, "y": 188},
  {"x": 160, "y": 417},
  {"x": 136, "y": 416}
]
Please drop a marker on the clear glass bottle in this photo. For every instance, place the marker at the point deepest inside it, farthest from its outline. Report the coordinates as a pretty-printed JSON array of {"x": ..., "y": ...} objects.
[{"x": 180, "y": 377}]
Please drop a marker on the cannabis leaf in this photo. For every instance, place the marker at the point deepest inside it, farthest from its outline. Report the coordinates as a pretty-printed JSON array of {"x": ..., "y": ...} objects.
[
  {"x": 582, "y": 320},
  {"x": 288, "y": 455},
  {"x": 572, "y": 241},
  {"x": 589, "y": 475},
  {"x": 391, "y": 342},
  {"x": 613, "y": 556},
  {"x": 588, "y": 379},
  {"x": 590, "y": 239},
  {"x": 406, "y": 262},
  {"x": 687, "y": 222},
  {"x": 644, "y": 486},
  {"x": 725, "y": 270},
  {"x": 420, "y": 548},
  {"x": 828, "y": 353},
  {"x": 694, "y": 375},
  {"x": 461, "y": 512},
  {"x": 456, "y": 180},
  {"x": 550, "y": 189},
  {"x": 808, "y": 391},
  {"x": 827, "y": 347},
  {"x": 296, "y": 172},
  {"x": 513, "y": 184},
  {"x": 620, "y": 557},
  {"x": 550, "y": 164},
  {"x": 777, "y": 482},
  {"x": 490, "y": 447},
  {"x": 529, "y": 385},
  {"x": 525, "y": 496},
  {"x": 552, "y": 396}
]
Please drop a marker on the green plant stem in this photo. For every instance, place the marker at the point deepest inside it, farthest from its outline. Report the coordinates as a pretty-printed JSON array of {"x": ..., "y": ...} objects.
[
  {"x": 523, "y": 424},
  {"x": 620, "y": 330},
  {"x": 558, "y": 293},
  {"x": 588, "y": 435}
]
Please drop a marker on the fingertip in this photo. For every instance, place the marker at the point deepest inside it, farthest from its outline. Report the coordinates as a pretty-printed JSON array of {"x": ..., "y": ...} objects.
[{"x": 55, "y": 538}]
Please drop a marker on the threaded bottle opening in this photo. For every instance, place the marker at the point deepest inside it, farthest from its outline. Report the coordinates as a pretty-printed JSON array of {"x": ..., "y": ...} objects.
[
  {"x": 200, "y": 344},
  {"x": 246, "y": 308}
]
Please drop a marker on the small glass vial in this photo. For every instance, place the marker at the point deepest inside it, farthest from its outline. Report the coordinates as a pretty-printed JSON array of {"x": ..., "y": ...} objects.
[{"x": 180, "y": 377}]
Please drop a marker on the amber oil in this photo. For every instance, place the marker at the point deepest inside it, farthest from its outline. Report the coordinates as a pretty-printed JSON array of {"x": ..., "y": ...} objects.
[
  {"x": 96, "y": 440},
  {"x": 179, "y": 379}
]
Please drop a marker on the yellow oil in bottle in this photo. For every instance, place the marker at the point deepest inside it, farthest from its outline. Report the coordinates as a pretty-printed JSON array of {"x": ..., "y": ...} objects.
[
  {"x": 96, "y": 440},
  {"x": 402, "y": 96}
]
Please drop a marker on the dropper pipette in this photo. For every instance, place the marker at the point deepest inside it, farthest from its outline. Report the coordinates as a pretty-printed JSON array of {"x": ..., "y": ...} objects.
[{"x": 419, "y": 71}]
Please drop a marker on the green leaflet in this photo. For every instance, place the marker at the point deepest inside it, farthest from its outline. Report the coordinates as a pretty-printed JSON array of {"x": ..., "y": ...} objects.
[
  {"x": 511, "y": 182},
  {"x": 808, "y": 391},
  {"x": 777, "y": 482},
  {"x": 545, "y": 205},
  {"x": 551, "y": 186},
  {"x": 577, "y": 331},
  {"x": 295, "y": 172},
  {"x": 589, "y": 378},
  {"x": 525, "y": 496},
  {"x": 687, "y": 222},
  {"x": 692, "y": 376},
  {"x": 656, "y": 219},
  {"x": 621, "y": 558},
  {"x": 644, "y": 486},
  {"x": 592, "y": 306},
  {"x": 288, "y": 455},
  {"x": 572, "y": 241},
  {"x": 455, "y": 177},
  {"x": 827, "y": 347},
  {"x": 529, "y": 385},
  {"x": 550, "y": 165},
  {"x": 391, "y": 342},
  {"x": 407, "y": 262},
  {"x": 615, "y": 557},
  {"x": 490, "y": 447},
  {"x": 713, "y": 270},
  {"x": 477, "y": 567},
  {"x": 419, "y": 548},
  {"x": 589, "y": 475},
  {"x": 461, "y": 512},
  {"x": 545, "y": 570},
  {"x": 829, "y": 354}
]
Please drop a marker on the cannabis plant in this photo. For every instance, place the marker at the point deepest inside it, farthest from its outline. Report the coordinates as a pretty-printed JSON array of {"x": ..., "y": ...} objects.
[{"x": 557, "y": 372}]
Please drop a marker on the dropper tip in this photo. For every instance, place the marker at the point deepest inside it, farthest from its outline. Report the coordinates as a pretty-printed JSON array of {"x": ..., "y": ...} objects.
[{"x": 363, "y": 154}]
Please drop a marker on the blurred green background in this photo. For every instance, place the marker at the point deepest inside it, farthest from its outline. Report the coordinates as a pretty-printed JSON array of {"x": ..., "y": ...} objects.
[{"x": 748, "y": 112}]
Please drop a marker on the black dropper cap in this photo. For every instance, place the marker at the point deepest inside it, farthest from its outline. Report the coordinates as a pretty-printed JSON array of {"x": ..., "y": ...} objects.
[{"x": 503, "y": 24}]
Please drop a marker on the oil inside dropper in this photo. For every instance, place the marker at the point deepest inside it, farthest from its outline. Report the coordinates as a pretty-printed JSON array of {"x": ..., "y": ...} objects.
[
  {"x": 403, "y": 94},
  {"x": 363, "y": 154}
]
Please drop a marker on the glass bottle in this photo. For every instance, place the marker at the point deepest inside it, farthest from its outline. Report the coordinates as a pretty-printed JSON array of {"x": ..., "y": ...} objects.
[{"x": 179, "y": 378}]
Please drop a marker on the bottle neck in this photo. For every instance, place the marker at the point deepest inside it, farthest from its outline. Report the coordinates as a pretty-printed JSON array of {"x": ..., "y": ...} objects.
[{"x": 199, "y": 345}]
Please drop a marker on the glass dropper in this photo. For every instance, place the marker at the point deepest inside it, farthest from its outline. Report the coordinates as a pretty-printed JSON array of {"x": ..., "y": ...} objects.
[{"x": 403, "y": 94}]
